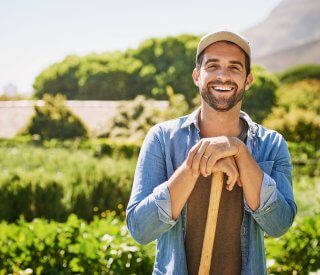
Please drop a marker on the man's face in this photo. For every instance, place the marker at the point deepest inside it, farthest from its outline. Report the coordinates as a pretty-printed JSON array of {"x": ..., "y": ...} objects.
[{"x": 222, "y": 77}]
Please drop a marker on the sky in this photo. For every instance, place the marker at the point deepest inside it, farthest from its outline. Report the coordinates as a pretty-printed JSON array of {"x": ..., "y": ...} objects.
[{"x": 35, "y": 33}]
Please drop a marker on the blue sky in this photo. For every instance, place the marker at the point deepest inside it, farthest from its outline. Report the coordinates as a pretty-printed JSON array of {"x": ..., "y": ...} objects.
[{"x": 35, "y": 34}]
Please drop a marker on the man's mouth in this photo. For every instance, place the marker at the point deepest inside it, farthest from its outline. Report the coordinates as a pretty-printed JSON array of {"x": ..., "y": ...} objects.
[{"x": 222, "y": 88}]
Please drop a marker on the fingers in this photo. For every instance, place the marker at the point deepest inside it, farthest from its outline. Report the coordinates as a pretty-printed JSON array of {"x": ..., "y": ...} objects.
[
  {"x": 198, "y": 157},
  {"x": 204, "y": 155},
  {"x": 192, "y": 152},
  {"x": 228, "y": 166}
]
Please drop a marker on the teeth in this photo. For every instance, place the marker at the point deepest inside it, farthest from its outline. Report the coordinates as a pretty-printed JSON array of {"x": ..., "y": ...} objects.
[{"x": 222, "y": 88}]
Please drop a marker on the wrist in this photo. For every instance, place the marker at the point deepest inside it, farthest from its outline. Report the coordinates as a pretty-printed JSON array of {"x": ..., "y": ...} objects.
[{"x": 242, "y": 149}]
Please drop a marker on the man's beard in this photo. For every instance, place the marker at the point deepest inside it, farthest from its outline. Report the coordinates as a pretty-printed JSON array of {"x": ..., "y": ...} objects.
[{"x": 222, "y": 104}]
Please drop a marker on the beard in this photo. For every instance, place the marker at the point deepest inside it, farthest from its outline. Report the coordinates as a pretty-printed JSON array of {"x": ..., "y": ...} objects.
[{"x": 222, "y": 103}]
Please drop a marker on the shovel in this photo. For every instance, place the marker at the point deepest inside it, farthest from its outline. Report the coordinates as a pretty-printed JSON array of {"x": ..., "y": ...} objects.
[{"x": 211, "y": 225}]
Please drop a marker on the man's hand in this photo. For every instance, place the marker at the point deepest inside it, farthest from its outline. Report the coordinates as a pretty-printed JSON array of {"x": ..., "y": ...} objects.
[
  {"x": 229, "y": 167},
  {"x": 204, "y": 155}
]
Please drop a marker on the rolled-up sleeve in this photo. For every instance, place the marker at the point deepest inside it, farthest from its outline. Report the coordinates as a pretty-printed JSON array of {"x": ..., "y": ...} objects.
[
  {"x": 148, "y": 212},
  {"x": 277, "y": 208}
]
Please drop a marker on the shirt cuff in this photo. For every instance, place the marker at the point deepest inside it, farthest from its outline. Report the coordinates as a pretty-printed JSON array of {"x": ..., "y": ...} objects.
[
  {"x": 268, "y": 196},
  {"x": 163, "y": 202}
]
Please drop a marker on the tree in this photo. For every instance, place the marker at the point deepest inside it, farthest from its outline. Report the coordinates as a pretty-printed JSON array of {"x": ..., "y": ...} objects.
[
  {"x": 59, "y": 78},
  {"x": 260, "y": 97},
  {"x": 297, "y": 112},
  {"x": 299, "y": 73},
  {"x": 168, "y": 61}
]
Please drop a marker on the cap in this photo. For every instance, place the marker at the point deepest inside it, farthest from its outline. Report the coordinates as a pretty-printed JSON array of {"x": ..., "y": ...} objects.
[{"x": 235, "y": 38}]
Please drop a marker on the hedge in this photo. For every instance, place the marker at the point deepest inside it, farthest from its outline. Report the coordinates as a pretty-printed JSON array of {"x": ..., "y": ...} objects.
[
  {"x": 55, "y": 182},
  {"x": 115, "y": 148},
  {"x": 103, "y": 246},
  {"x": 297, "y": 252}
]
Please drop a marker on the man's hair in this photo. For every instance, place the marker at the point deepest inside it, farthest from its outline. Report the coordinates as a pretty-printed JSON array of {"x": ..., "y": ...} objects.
[{"x": 247, "y": 58}]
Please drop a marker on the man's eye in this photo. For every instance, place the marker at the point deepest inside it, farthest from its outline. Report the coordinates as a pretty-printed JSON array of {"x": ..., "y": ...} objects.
[
  {"x": 212, "y": 66},
  {"x": 235, "y": 68}
]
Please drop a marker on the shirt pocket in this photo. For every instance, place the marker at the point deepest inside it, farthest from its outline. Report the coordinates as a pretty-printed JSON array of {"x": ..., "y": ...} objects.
[{"x": 266, "y": 166}]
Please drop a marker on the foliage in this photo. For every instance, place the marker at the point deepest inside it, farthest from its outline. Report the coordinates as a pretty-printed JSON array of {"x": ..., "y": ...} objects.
[
  {"x": 260, "y": 97},
  {"x": 55, "y": 120},
  {"x": 305, "y": 158},
  {"x": 178, "y": 106},
  {"x": 133, "y": 119},
  {"x": 295, "y": 125},
  {"x": 299, "y": 73},
  {"x": 148, "y": 70},
  {"x": 303, "y": 94},
  {"x": 117, "y": 80},
  {"x": 168, "y": 61},
  {"x": 97, "y": 147},
  {"x": 54, "y": 182},
  {"x": 297, "y": 114},
  {"x": 75, "y": 247},
  {"x": 297, "y": 252},
  {"x": 59, "y": 78}
]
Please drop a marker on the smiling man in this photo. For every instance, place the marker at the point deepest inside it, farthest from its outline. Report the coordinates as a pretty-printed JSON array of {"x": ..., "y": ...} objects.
[{"x": 171, "y": 189}]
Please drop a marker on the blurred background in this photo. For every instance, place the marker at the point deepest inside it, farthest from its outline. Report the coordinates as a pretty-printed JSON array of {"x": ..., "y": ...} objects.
[{"x": 81, "y": 83}]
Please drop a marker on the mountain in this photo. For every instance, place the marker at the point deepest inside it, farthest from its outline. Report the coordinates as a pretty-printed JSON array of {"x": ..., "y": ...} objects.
[
  {"x": 289, "y": 36},
  {"x": 308, "y": 53}
]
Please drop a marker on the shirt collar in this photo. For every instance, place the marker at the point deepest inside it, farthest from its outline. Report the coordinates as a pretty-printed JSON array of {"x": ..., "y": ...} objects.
[{"x": 193, "y": 118}]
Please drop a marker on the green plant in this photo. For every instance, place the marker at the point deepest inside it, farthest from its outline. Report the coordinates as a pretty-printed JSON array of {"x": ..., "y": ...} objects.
[
  {"x": 300, "y": 72},
  {"x": 103, "y": 246},
  {"x": 133, "y": 119},
  {"x": 55, "y": 120},
  {"x": 297, "y": 252},
  {"x": 55, "y": 182}
]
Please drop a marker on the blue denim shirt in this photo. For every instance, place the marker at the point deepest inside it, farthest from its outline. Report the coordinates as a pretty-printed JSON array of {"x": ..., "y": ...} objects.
[{"x": 149, "y": 210}]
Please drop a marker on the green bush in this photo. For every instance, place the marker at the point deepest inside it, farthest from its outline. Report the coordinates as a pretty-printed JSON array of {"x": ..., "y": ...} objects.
[
  {"x": 99, "y": 147},
  {"x": 103, "y": 246},
  {"x": 261, "y": 97},
  {"x": 302, "y": 94},
  {"x": 55, "y": 120},
  {"x": 297, "y": 113},
  {"x": 133, "y": 119},
  {"x": 300, "y": 72},
  {"x": 297, "y": 252},
  {"x": 295, "y": 125},
  {"x": 54, "y": 182},
  {"x": 305, "y": 158}
]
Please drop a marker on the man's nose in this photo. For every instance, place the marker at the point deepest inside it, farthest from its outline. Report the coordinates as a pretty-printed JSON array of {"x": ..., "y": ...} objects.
[{"x": 223, "y": 75}]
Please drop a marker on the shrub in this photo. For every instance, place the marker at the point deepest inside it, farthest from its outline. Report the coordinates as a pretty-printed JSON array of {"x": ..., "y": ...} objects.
[
  {"x": 55, "y": 182},
  {"x": 133, "y": 119},
  {"x": 75, "y": 247},
  {"x": 55, "y": 120},
  {"x": 296, "y": 114},
  {"x": 300, "y": 72},
  {"x": 295, "y": 125},
  {"x": 260, "y": 97},
  {"x": 297, "y": 252}
]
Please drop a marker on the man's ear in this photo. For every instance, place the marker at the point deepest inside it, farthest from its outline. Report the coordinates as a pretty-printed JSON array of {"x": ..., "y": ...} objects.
[
  {"x": 249, "y": 81},
  {"x": 195, "y": 76}
]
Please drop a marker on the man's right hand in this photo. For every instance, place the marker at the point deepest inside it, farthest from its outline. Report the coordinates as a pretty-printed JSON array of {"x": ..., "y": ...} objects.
[{"x": 215, "y": 155}]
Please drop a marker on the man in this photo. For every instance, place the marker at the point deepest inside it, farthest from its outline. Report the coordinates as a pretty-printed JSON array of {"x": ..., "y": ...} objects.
[{"x": 170, "y": 193}]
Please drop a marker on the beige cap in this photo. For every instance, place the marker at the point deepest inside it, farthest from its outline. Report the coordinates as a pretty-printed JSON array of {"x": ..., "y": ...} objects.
[{"x": 210, "y": 38}]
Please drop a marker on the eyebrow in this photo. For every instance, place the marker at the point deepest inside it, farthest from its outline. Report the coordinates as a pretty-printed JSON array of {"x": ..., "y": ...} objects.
[{"x": 217, "y": 60}]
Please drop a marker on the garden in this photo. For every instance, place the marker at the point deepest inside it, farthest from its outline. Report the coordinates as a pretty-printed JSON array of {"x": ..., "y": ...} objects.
[{"x": 64, "y": 192}]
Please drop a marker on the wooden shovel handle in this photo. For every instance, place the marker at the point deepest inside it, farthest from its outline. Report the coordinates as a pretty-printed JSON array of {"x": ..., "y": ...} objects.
[{"x": 211, "y": 225}]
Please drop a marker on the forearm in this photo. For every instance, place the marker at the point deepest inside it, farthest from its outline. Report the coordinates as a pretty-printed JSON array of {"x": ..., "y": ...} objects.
[
  {"x": 250, "y": 176},
  {"x": 180, "y": 186}
]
